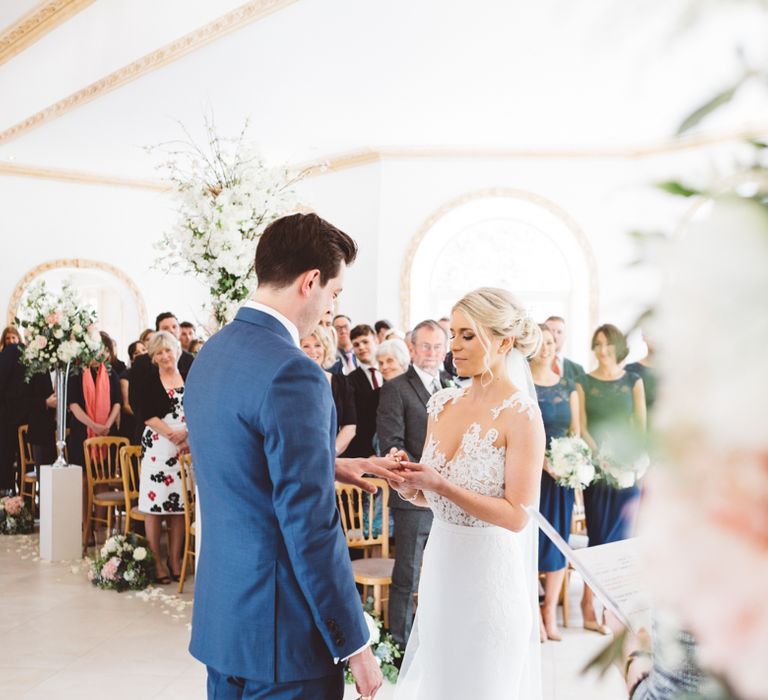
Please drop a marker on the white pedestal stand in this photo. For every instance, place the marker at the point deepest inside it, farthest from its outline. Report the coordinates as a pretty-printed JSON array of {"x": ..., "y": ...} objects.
[{"x": 61, "y": 513}]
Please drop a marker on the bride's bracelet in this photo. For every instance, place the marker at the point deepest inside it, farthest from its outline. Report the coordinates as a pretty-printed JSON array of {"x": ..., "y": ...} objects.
[{"x": 412, "y": 498}]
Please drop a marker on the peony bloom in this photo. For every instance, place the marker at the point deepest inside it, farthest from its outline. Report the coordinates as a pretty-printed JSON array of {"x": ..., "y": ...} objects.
[
  {"x": 139, "y": 554},
  {"x": 40, "y": 342},
  {"x": 14, "y": 505},
  {"x": 373, "y": 628},
  {"x": 109, "y": 570}
]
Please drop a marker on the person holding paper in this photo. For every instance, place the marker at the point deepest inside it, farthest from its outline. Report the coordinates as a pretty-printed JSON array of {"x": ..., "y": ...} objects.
[
  {"x": 559, "y": 405},
  {"x": 612, "y": 410}
]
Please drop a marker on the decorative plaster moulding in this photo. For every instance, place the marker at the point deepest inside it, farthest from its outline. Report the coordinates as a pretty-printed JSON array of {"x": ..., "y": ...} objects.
[
  {"x": 230, "y": 22},
  {"x": 34, "y": 25}
]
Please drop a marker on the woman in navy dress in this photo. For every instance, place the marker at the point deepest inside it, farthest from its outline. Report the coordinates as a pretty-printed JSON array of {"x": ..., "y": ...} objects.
[
  {"x": 612, "y": 403},
  {"x": 559, "y": 406},
  {"x": 646, "y": 369}
]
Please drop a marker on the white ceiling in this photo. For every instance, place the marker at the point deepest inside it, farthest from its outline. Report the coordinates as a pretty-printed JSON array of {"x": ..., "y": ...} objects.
[
  {"x": 322, "y": 76},
  {"x": 13, "y": 10}
]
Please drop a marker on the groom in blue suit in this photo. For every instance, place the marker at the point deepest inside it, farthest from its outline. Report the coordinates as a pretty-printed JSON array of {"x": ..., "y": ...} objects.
[{"x": 276, "y": 609}]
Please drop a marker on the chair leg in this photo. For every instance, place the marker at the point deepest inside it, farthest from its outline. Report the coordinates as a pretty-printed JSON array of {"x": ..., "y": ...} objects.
[
  {"x": 377, "y": 599},
  {"x": 184, "y": 560}
]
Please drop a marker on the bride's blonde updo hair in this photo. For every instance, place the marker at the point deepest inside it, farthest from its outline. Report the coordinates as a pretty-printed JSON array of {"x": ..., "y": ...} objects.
[{"x": 492, "y": 311}]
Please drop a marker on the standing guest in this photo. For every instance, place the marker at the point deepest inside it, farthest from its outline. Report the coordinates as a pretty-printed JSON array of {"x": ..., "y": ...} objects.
[
  {"x": 612, "y": 411},
  {"x": 127, "y": 415},
  {"x": 382, "y": 327},
  {"x": 117, "y": 365},
  {"x": 321, "y": 348},
  {"x": 11, "y": 336},
  {"x": 346, "y": 362},
  {"x": 646, "y": 370},
  {"x": 393, "y": 358},
  {"x": 11, "y": 386},
  {"x": 187, "y": 334},
  {"x": 161, "y": 402},
  {"x": 365, "y": 382},
  {"x": 561, "y": 365},
  {"x": 146, "y": 336},
  {"x": 401, "y": 424},
  {"x": 94, "y": 400},
  {"x": 41, "y": 418},
  {"x": 165, "y": 321},
  {"x": 327, "y": 320},
  {"x": 559, "y": 405},
  {"x": 445, "y": 323},
  {"x": 195, "y": 345}
]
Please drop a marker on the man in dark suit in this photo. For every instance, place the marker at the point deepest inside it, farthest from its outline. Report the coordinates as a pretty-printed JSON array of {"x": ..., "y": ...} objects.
[
  {"x": 365, "y": 382},
  {"x": 140, "y": 369},
  {"x": 401, "y": 423},
  {"x": 561, "y": 365},
  {"x": 346, "y": 360},
  {"x": 276, "y": 609}
]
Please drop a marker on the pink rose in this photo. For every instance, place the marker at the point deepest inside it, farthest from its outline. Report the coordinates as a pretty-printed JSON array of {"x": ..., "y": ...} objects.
[
  {"x": 41, "y": 341},
  {"x": 53, "y": 318},
  {"x": 109, "y": 570},
  {"x": 14, "y": 505}
]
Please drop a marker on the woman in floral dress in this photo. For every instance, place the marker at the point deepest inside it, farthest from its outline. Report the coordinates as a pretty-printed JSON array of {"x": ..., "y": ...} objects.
[{"x": 163, "y": 441}]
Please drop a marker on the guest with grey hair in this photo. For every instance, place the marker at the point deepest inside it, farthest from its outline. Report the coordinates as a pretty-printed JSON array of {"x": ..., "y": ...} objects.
[
  {"x": 401, "y": 423},
  {"x": 393, "y": 358}
]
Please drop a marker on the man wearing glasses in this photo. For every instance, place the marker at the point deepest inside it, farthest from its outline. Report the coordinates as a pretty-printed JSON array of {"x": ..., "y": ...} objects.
[{"x": 401, "y": 423}]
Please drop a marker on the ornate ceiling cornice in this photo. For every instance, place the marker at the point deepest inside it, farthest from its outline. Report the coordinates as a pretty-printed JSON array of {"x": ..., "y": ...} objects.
[
  {"x": 232, "y": 21},
  {"x": 36, "y": 24}
]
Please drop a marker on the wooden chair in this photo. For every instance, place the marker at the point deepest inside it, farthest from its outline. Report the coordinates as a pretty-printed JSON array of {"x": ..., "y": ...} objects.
[
  {"x": 188, "y": 493},
  {"x": 27, "y": 469},
  {"x": 104, "y": 488},
  {"x": 357, "y": 521},
  {"x": 130, "y": 470},
  {"x": 579, "y": 519}
]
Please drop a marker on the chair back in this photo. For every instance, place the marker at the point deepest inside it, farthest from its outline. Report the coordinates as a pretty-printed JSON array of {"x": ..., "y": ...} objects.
[
  {"x": 359, "y": 510},
  {"x": 130, "y": 470},
  {"x": 187, "y": 488},
  {"x": 25, "y": 450},
  {"x": 102, "y": 460}
]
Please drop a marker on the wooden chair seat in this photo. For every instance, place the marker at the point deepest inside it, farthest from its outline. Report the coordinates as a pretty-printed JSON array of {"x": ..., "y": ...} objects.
[
  {"x": 136, "y": 514},
  {"x": 27, "y": 475},
  {"x": 109, "y": 498},
  {"x": 373, "y": 571}
]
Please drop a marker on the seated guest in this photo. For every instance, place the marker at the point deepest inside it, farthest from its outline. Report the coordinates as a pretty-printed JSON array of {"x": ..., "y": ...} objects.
[
  {"x": 127, "y": 416},
  {"x": 164, "y": 322},
  {"x": 365, "y": 381},
  {"x": 393, "y": 358},
  {"x": 346, "y": 362},
  {"x": 160, "y": 400},
  {"x": 321, "y": 348},
  {"x": 187, "y": 335},
  {"x": 382, "y": 327}
]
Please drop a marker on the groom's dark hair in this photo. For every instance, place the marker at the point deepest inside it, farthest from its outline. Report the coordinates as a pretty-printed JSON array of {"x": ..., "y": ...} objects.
[{"x": 294, "y": 244}]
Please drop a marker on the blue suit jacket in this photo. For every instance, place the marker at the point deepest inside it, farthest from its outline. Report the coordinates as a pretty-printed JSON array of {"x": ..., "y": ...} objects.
[{"x": 275, "y": 599}]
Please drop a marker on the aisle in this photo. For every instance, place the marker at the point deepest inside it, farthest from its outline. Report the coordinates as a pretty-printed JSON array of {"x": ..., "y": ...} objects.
[{"x": 64, "y": 639}]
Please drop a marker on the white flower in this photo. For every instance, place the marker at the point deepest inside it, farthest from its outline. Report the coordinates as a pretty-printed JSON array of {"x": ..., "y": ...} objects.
[
  {"x": 129, "y": 575},
  {"x": 77, "y": 329},
  {"x": 140, "y": 553},
  {"x": 58, "y": 334},
  {"x": 111, "y": 545}
]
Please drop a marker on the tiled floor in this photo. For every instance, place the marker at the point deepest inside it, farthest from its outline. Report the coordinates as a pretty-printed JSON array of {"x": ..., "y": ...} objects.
[{"x": 62, "y": 638}]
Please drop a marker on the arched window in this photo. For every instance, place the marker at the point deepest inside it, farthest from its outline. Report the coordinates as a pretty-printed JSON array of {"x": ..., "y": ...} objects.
[{"x": 511, "y": 239}]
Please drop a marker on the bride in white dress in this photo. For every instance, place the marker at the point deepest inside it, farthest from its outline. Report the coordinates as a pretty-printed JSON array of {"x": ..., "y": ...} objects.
[{"x": 476, "y": 631}]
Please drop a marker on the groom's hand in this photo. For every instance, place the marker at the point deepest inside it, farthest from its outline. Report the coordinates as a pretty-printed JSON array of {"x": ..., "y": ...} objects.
[
  {"x": 351, "y": 471},
  {"x": 366, "y": 671}
]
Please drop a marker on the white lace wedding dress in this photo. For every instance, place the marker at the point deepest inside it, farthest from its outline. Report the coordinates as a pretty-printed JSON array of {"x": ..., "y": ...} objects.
[{"x": 476, "y": 632}]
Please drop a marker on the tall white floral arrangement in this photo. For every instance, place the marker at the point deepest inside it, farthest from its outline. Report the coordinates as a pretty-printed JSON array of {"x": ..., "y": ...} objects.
[
  {"x": 61, "y": 330},
  {"x": 226, "y": 195}
]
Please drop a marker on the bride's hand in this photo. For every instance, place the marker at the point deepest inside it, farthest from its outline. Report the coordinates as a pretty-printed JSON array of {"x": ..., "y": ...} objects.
[{"x": 421, "y": 477}]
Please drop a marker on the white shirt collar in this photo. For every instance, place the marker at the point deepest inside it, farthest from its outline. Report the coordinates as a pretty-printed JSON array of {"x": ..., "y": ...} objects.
[
  {"x": 289, "y": 325},
  {"x": 427, "y": 379}
]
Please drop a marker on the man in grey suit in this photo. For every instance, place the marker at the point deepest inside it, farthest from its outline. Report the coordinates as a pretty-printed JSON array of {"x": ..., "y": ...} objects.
[
  {"x": 568, "y": 369},
  {"x": 401, "y": 423}
]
